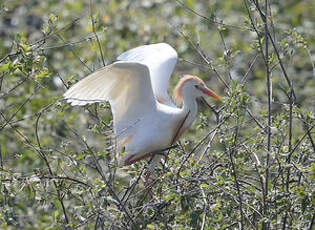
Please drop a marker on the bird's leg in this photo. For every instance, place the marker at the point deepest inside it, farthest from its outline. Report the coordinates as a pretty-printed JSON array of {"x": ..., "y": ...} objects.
[
  {"x": 156, "y": 157},
  {"x": 147, "y": 184},
  {"x": 149, "y": 181}
]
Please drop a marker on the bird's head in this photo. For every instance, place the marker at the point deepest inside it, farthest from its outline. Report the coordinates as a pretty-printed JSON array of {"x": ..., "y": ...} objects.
[{"x": 193, "y": 87}]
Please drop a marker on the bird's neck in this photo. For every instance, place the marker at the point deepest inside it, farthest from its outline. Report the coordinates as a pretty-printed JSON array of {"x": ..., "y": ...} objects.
[{"x": 189, "y": 106}]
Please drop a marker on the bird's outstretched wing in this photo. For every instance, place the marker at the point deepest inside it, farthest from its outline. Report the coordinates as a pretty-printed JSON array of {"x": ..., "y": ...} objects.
[
  {"x": 127, "y": 87},
  {"x": 161, "y": 59}
]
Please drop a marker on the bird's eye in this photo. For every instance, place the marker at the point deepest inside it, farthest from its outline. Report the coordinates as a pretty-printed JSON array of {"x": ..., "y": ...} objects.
[{"x": 197, "y": 86}]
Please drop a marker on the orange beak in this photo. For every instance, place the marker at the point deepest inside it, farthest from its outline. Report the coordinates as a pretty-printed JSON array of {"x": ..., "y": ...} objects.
[{"x": 209, "y": 92}]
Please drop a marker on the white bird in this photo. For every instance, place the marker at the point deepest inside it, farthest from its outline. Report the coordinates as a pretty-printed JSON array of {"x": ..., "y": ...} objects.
[{"x": 145, "y": 118}]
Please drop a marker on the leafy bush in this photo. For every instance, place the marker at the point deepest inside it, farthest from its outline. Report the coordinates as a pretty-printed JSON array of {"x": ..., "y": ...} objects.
[{"x": 246, "y": 163}]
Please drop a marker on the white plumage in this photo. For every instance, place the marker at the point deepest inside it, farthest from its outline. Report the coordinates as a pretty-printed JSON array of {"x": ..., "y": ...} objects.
[
  {"x": 145, "y": 119},
  {"x": 161, "y": 59}
]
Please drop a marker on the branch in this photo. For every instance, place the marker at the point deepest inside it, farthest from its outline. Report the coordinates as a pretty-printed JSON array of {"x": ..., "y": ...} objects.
[
  {"x": 47, "y": 177},
  {"x": 204, "y": 57},
  {"x": 205, "y": 18},
  {"x": 95, "y": 34},
  {"x": 56, "y": 32},
  {"x": 100, "y": 171},
  {"x": 43, "y": 156},
  {"x": 200, "y": 142},
  {"x": 240, "y": 198},
  {"x": 269, "y": 95}
]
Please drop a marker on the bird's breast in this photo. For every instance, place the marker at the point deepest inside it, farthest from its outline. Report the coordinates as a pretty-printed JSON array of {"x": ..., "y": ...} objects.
[{"x": 156, "y": 133}]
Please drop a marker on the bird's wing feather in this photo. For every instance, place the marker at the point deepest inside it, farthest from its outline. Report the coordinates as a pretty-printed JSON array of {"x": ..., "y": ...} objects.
[
  {"x": 161, "y": 59},
  {"x": 127, "y": 87}
]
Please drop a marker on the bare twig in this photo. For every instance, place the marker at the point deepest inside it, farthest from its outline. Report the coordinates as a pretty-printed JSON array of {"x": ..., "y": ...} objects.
[
  {"x": 227, "y": 54},
  {"x": 1, "y": 158},
  {"x": 312, "y": 222},
  {"x": 205, "y": 204},
  {"x": 244, "y": 78},
  {"x": 95, "y": 34},
  {"x": 43, "y": 156},
  {"x": 205, "y": 18},
  {"x": 289, "y": 156},
  {"x": 47, "y": 177},
  {"x": 10, "y": 55},
  {"x": 204, "y": 57},
  {"x": 240, "y": 197},
  {"x": 1, "y": 80},
  {"x": 252, "y": 116},
  {"x": 130, "y": 189},
  {"x": 311, "y": 60},
  {"x": 15, "y": 113},
  {"x": 275, "y": 48},
  {"x": 56, "y": 32},
  {"x": 86, "y": 39},
  {"x": 269, "y": 95},
  {"x": 15, "y": 87},
  {"x": 75, "y": 54}
]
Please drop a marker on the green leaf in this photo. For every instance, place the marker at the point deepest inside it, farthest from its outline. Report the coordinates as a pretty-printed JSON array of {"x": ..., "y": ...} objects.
[
  {"x": 170, "y": 197},
  {"x": 55, "y": 214},
  {"x": 204, "y": 186},
  {"x": 51, "y": 227},
  {"x": 190, "y": 3},
  {"x": 80, "y": 156},
  {"x": 5, "y": 67},
  {"x": 150, "y": 226},
  {"x": 2, "y": 145}
]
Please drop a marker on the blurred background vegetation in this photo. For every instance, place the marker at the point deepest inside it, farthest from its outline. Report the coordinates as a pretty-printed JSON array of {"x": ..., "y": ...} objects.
[{"x": 246, "y": 163}]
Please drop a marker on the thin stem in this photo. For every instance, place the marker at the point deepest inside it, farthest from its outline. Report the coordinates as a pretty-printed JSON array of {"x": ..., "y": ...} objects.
[
  {"x": 1, "y": 158},
  {"x": 199, "y": 143},
  {"x": 312, "y": 222},
  {"x": 204, "y": 57},
  {"x": 70, "y": 25},
  {"x": 264, "y": 18},
  {"x": 1, "y": 80},
  {"x": 95, "y": 34},
  {"x": 75, "y": 54},
  {"x": 227, "y": 54},
  {"x": 288, "y": 160},
  {"x": 101, "y": 173},
  {"x": 205, "y": 204},
  {"x": 206, "y": 18},
  {"x": 269, "y": 95},
  {"x": 236, "y": 180},
  {"x": 43, "y": 156}
]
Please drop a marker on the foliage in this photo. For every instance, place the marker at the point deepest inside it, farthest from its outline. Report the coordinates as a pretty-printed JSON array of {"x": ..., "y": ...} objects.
[{"x": 247, "y": 163}]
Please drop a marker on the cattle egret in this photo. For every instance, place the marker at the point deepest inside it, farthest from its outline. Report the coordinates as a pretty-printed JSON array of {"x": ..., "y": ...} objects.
[{"x": 145, "y": 118}]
